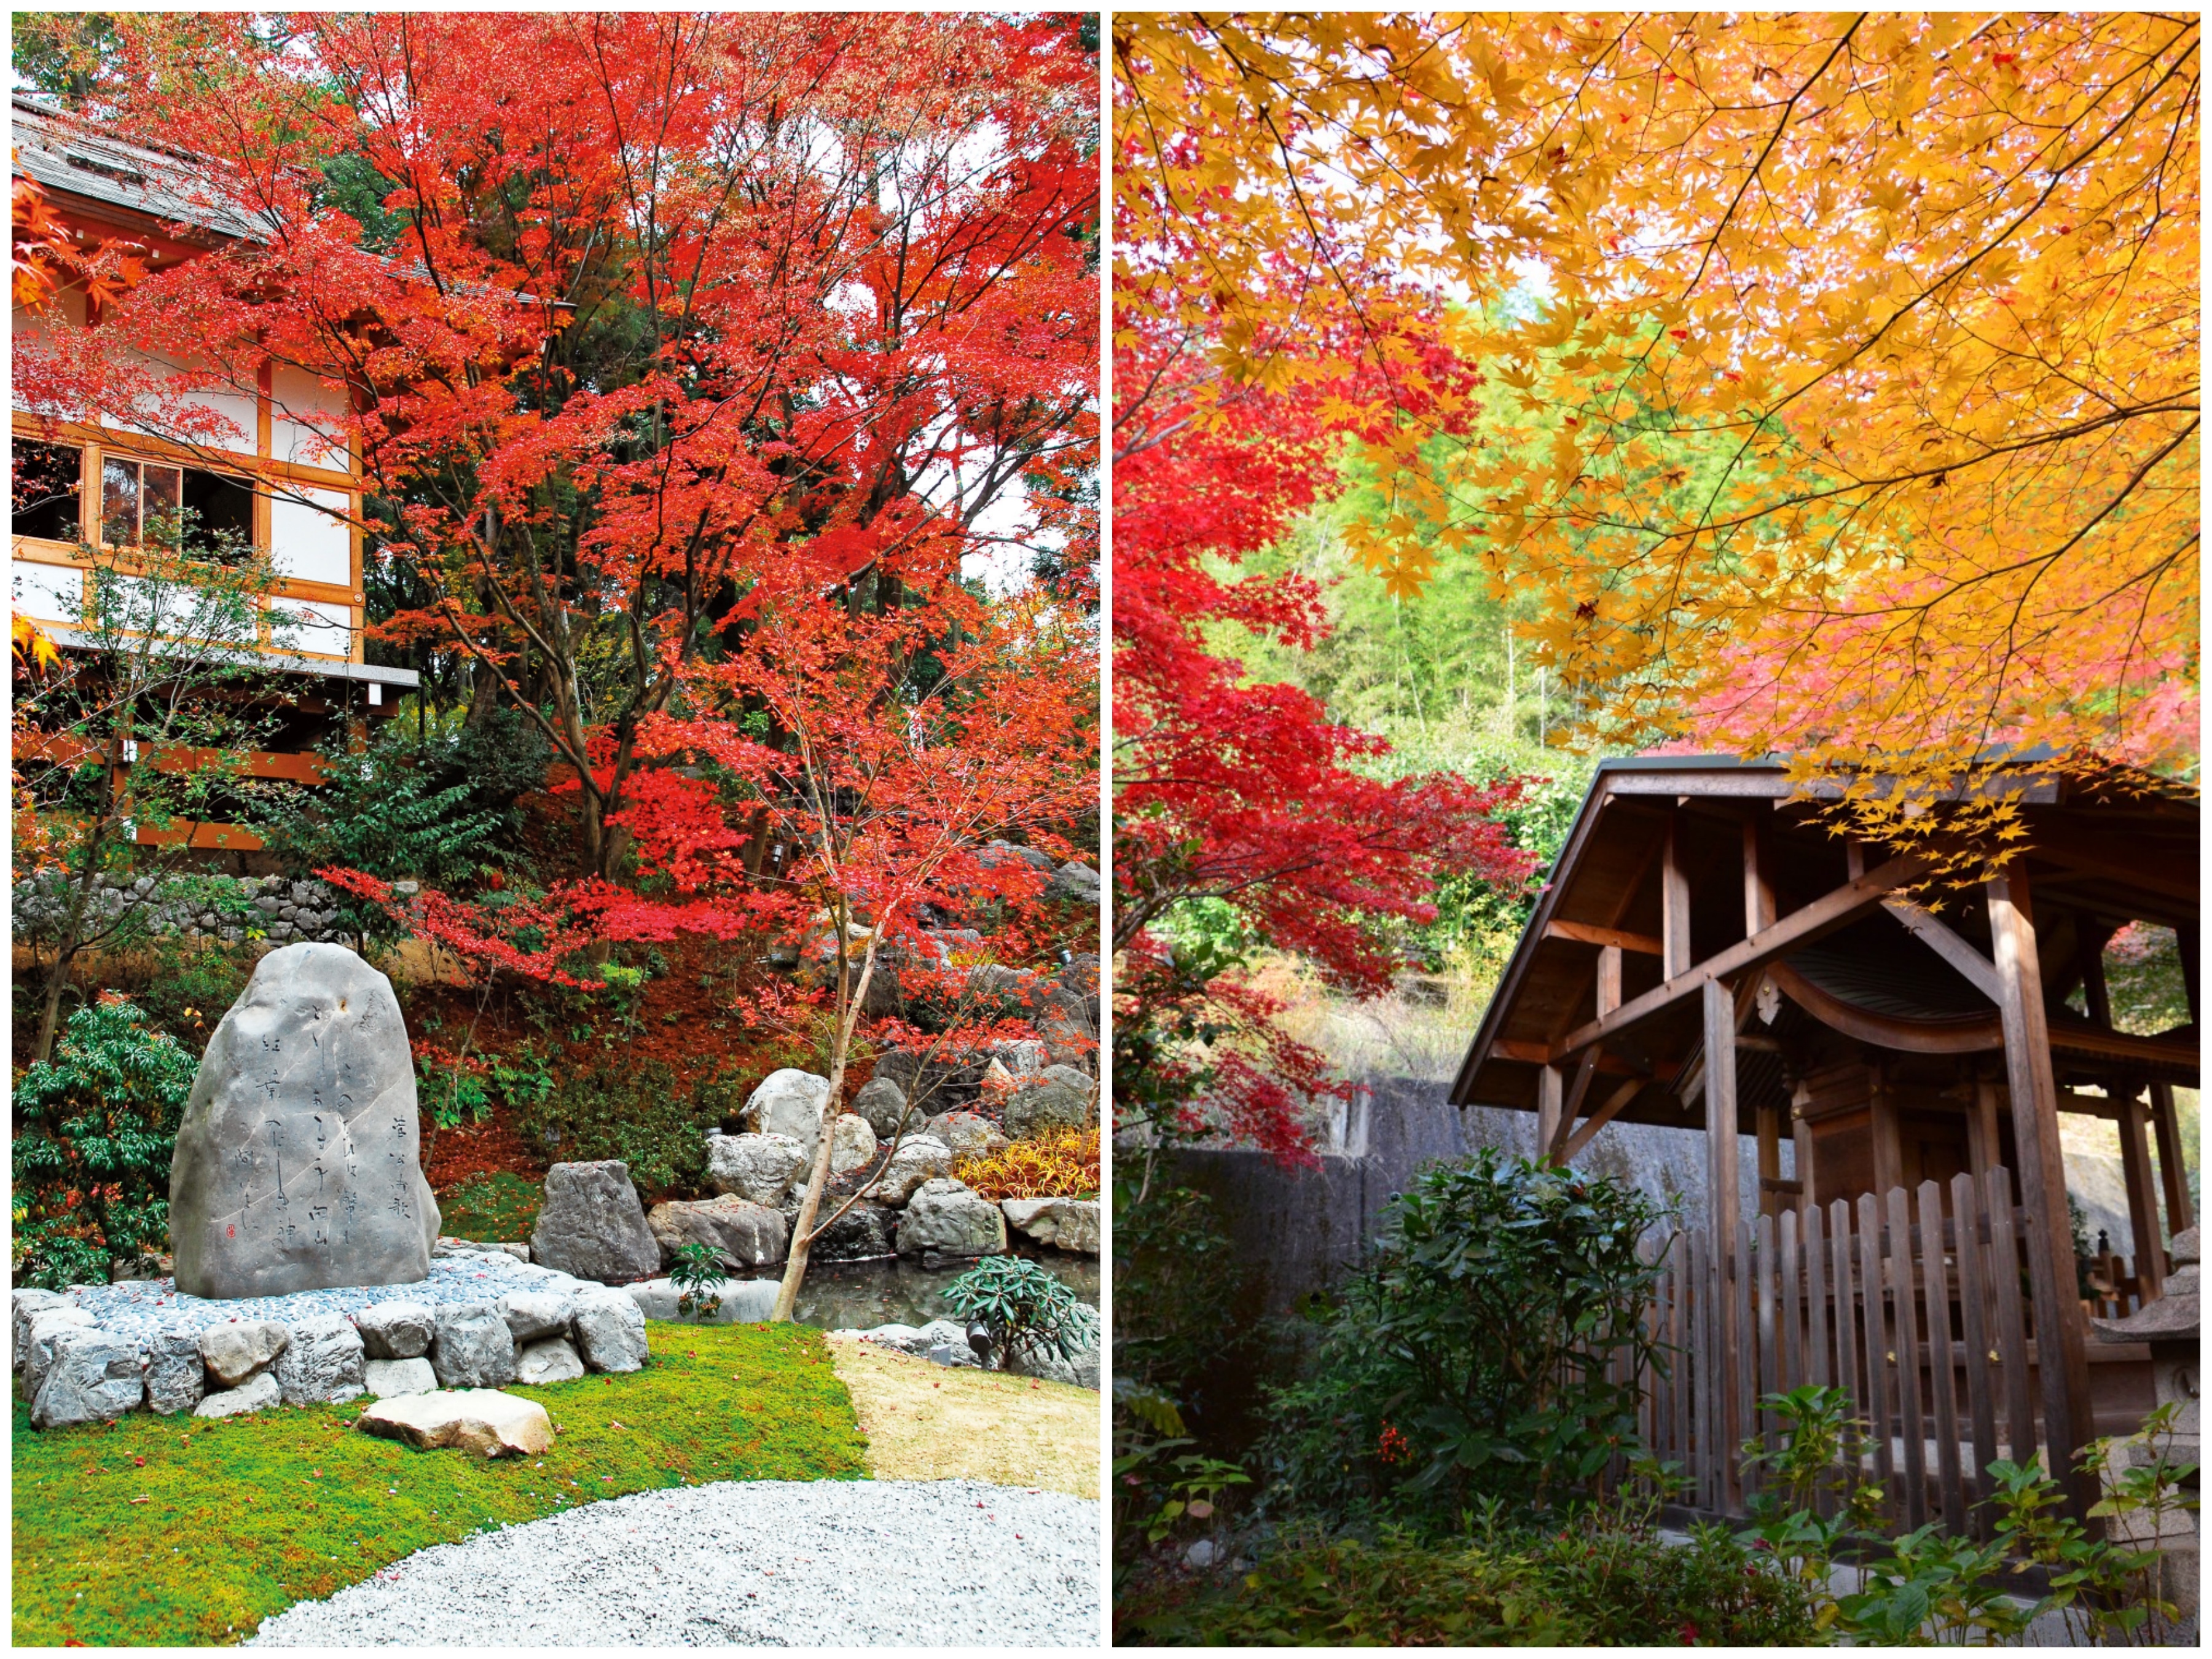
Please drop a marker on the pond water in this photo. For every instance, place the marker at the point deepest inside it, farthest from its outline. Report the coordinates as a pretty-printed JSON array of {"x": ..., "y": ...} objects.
[{"x": 856, "y": 1295}]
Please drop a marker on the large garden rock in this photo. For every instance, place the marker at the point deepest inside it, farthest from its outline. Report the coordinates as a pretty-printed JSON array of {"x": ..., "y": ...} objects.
[
  {"x": 1065, "y": 1223},
  {"x": 397, "y": 1330},
  {"x": 868, "y": 1232},
  {"x": 788, "y": 1103},
  {"x": 1069, "y": 1027},
  {"x": 1051, "y": 1104},
  {"x": 917, "y": 1160},
  {"x": 176, "y": 1376},
  {"x": 759, "y": 1167},
  {"x": 36, "y": 1347},
  {"x": 1024, "y": 1059},
  {"x": 95, "y": 1377},
  {"x": 241, "y": 1349},
  {"x": 298, "y": 1166},
  {"x": 258, "y": 1395},
  {"x": 610, "y": 1331},
  {"x": 553, "y": 1360},
  {"x": 1074, "y": 884},
  {"x": 932, "y": 1084},
  {"x": 22, "y": 1305},
  {"x": 532, "y": 1316},
  {"x": 481, "y": 1421},
  {"x": 851, "y": 1144},
  {"x": 945, "y": 1219},
  {"x": 882, "y": 1103},
  {"x": 322, "y": 1362},
  {"x": 391, "y": 1379},
  {"x": 745, "y": 1233},
  {"x": 474, "y": 1348},
  {"x": 967, "y": 1134},
  {"x": 591, "y": 1224}
]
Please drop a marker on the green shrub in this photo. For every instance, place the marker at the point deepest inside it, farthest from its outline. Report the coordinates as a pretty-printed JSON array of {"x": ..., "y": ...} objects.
[
  {"x": 1604, "y": 1580},
  {"x": 1469, "y": 1358},
  {"x": 96, "y": 1127},
  {"x": 1027, "y": 1310},
  {"x": 633, "y": 1110}
]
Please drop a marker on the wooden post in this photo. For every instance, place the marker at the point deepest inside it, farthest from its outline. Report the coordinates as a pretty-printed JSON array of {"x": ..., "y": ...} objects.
[
  {"x": 1984, "y": 1148},
  {"x": 1673, "y": 904},
  {"x": 1721, "y": 1150},
  {"x": 2060, "y": 1334},
  {"x": 2173, "y": 1174},
  {"x": 1551, "y": 1095},
  {"x": 1758, "y": 886},
  {"x": 2143, "y": 1192},
  {"x": 2185, "y": 938},
  {"x": 1800, "y": 1134},
  {"x": 1770, "y": 1161},
  {"x": 1888, "y": 1151},
  {"x": 1608, "y": 980}
]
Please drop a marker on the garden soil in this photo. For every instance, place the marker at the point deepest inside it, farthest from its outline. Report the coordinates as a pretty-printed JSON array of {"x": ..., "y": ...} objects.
[{"x": 929, "y": 1422}]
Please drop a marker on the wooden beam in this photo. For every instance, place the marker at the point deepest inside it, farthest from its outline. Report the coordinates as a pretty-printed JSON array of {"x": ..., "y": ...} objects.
[
  {"x": 1616, "y": 938},
  {"x": 2059, "y": 1324},
  {"x": 1673, "y": 904},
  {"x": 1973, "y": 966},
  {"x": 2143, "y": 1195},
  {"x": 1800, "y": 927},
  {"x": 2173, "y": 1174},
  {"x": 1586, "y": 1130},
  {"x": 1915, "y": 1037},
  {"x": 2081, "y": 1105},
  {"x": 1550, "y": 1086}
]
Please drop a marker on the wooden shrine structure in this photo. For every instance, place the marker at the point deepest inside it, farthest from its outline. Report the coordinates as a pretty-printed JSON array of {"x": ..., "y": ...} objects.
[{"x": 1709, "y": 955}]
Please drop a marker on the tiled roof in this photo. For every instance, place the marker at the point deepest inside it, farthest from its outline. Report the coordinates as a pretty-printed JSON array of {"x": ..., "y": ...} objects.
[{"x": 68, "y": 156}]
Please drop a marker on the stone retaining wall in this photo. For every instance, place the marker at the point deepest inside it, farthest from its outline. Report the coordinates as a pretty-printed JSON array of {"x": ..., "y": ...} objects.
[{"x": 282, "y": 910}]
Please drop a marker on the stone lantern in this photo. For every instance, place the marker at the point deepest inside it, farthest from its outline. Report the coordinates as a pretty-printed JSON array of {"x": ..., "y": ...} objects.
[{"x": 2169, "y": 1325}]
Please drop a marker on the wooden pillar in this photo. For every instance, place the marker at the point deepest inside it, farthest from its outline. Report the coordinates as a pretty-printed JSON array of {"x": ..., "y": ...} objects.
[
  {"x": 1802, "y": 1134},
  {"x": 2185, "y": 939},
  {"x": 2172, "y": 1173},
  {"x": 1551, "y": 1096},
  {"x": 1757, "y": 883},
  {"x": 1608, "y": 980},
  {"x": 1984, "y": 1146},
  {"x": 1721, "y": 1149},
  {"x": 2060, "y": 1333},
  {"x": 2143, "y": 1190},
  {"x": 1888, "y": 1147},
  {"x": 1769, "y": 1162},
  {"x": 1673, "y": 904}
]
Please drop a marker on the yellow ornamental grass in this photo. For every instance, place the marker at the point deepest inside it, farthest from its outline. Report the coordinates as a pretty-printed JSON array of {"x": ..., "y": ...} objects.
[{"x": 1061, "y": 1164}]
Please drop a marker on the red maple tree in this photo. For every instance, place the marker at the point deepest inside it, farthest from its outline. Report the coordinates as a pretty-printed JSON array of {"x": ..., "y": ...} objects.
[
  {"x": 1240, "y": 791},
  {"x": 640, "y": 313}
]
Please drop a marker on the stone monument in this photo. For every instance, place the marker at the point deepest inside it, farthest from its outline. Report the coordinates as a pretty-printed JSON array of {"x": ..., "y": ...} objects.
[{"x": 298, "y": 1164}]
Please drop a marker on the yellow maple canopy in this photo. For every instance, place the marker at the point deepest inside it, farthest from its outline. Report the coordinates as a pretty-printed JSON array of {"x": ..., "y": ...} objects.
[{"x": 1916, "y": 296}]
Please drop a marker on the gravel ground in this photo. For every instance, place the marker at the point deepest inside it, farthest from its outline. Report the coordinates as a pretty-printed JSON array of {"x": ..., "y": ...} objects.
[
  {"x": 757, "y": 1563},
  {"x": 142, "y": 1307}
]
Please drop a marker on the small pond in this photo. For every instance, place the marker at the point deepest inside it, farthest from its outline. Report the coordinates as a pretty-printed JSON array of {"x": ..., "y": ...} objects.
[{"x": 857, "y": 1295}]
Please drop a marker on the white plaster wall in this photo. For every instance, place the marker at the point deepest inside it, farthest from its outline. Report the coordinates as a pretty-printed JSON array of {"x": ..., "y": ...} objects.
[
  {"x": 312, "y": 626},
  {"x": 306, "y": 423},
  {"x": 310, "y": 544},
  {"x": 51, "y": 592}
]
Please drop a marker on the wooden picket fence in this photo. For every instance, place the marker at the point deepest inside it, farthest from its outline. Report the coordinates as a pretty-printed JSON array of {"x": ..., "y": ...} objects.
[{"x": 1916, "y": 1303}]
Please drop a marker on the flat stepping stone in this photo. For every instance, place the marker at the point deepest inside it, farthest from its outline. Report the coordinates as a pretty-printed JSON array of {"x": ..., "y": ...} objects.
[{"x": 471, "y": 1420}]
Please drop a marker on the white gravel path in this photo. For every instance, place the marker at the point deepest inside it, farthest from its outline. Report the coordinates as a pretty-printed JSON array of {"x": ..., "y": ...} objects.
[{"x": 756, "y": 1564}]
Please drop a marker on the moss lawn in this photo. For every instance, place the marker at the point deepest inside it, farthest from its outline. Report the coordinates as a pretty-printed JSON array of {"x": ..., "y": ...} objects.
[{"x": 186, "y": 1532}]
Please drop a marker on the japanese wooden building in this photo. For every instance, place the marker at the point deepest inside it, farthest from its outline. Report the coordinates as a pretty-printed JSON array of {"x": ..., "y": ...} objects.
[
  {"x": 287, "y": 480},
  {"x": 1708, "y": 954}
]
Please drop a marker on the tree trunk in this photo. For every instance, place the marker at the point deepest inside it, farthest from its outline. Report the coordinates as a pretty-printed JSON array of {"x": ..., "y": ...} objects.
[{"x": 795, "y": 1268}]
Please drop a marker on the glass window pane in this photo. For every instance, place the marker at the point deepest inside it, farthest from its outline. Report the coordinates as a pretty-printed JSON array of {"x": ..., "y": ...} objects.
[
  {"x": 222, "y": 515},
  {"x": 118, "y": 503},
  {"x": 161, "y": 494},
  {"x": 47, "y": 481}
]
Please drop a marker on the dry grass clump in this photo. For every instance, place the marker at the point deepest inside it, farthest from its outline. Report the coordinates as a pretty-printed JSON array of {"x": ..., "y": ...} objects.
[{"x": 1063, "y": 1164}]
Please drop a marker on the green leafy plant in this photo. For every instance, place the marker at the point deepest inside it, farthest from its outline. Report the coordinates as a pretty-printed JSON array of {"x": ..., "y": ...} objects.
[
  {"x": 1028, "y": 1310},
  {"x": 1808, "y": 1474},
  {"x": 1482, "y": 1330},
  {"x": 1604, "y": 1579},
  {"x": 1933, "y": 1586},
  {"x": 697, "y": 1273},
  {"x": 629, "y": 1109},
  {"x": 96, "y": 1129},
  {"x": 1194, "y": 1492},
  {"x": 524, "y": 1076}
]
